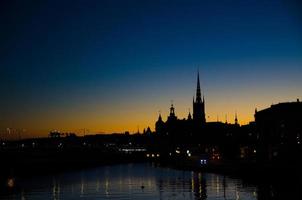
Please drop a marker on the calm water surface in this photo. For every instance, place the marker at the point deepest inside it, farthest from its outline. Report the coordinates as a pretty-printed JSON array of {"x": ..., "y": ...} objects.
[{"x": 129, "y": 181}]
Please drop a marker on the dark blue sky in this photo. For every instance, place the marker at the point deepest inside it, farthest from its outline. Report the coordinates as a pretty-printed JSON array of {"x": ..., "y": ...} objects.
[{"x": 74, "y": 64}]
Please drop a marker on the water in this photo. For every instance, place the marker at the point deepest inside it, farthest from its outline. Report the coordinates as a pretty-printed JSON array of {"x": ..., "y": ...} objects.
[{"x": 130, "y": 181}]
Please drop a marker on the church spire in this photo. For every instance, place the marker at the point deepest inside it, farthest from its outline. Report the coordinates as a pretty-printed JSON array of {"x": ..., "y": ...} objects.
[
  {"x": 236, "y": 119},
  {"x": 189, "y": 116},
  {"x": 198, "y": 93},
  {"x": 198, "y": 105},
  {"x": 159, "y": 116}
]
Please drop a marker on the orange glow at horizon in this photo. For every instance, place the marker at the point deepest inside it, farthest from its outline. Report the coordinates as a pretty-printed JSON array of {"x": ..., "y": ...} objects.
[
  {"x": 131, "y": 118},
  {"x": 138, "y": 108}
]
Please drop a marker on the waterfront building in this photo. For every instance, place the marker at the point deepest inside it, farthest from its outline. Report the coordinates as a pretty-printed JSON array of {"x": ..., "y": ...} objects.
[
  {"x": 180, "y": 128},
  {"x": 279, "y": 130},
  {"x": 194, "y": 129}
]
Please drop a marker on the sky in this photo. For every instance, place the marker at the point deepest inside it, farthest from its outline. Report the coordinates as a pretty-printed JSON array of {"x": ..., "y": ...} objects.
[{"x": 112, "y": 66}]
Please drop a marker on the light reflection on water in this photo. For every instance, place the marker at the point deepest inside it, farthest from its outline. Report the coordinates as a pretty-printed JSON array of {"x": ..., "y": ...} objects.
[{"x": 131, "y": 181}]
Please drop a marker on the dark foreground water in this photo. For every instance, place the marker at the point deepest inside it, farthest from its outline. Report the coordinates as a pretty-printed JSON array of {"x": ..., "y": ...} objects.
[{"x": 134, "y": 181}]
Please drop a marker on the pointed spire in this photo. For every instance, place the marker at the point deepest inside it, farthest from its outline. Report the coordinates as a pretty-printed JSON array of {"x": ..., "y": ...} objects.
[
  {"x": 159, "y": 116},
  {"x": 198, "y": 84},
  {"x": 236, "y": 119},
  {"x": 189, "y": 115},
  {"x": 198, "y": 93}
]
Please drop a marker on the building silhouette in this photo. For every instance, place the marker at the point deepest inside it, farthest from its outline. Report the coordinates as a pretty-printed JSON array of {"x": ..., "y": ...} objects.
[
  {"x": 195, "y": 132},
  {"x": 182, "y": 128},
  {"x": 275, "y": 135},
  {"x": 193, "y": 128},
  {"x": 279, "y": 129},
  {"x": 199, "y": 106}
]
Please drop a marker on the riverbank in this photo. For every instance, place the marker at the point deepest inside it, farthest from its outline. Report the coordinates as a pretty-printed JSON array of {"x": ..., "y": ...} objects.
[
  {"x": 31, "y": 162},
  {"x": 238, "y": 168}
]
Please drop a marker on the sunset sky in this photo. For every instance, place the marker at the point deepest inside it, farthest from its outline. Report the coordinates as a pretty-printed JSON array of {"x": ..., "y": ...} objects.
[{"x": 111, "y": 66}]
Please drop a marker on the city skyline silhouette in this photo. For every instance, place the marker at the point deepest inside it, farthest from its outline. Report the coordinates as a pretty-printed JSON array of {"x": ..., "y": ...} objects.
[
  {"x": 110, "y": 67},
  {"x": 133, "y": 99}
]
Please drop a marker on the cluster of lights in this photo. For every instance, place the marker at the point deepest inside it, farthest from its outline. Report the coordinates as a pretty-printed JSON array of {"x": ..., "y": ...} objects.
[
  {"x": 216, "y": 156},
  {"x": 177, "y": 151},
  {"x": 188, "y": 153},
  {"x": 152, "y": 155},
  {"x": 203, "y": 161}
]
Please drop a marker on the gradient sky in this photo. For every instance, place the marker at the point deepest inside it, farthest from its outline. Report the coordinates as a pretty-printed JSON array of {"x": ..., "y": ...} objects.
[{"x": 110, "y": 66}]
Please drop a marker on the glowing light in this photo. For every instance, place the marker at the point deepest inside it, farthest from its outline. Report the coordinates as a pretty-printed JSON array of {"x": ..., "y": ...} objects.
[
  {"x": 10, "y": 182},
  {"x": 148, "y": 155},
  {"x": 255, "y": 194},
  {"x": 203, "y": 161}
]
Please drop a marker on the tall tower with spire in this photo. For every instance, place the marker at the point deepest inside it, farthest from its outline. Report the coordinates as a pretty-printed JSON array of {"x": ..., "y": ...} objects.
[
  {"x": 198, "y": 106},
  {"x": 172, "y": 116}
]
